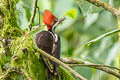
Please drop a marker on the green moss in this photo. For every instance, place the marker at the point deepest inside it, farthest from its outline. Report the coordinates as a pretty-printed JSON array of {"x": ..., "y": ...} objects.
[
  {"x": 25, "y": 56},
  {"x": 10, "y": 8},
  {"x": 11, "y": 32},
  {"x": 10, "y": 28},
  {"x": 4, "y": 58},
  {"x": 64, "y": 74}
]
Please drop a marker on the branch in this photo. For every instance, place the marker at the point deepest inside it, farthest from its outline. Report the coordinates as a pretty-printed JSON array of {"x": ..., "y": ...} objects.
[
  {"x": 61, "y": 63},
  {"x": 8, "y": 73},
  {"x": 81, "y": 62},
  {"x": 73, "y": 62},
  {"x": 4, "y": 76},
  {"x": 105, "y": 6},
  {"x": 25, "y": 74},
  {"x": 102, "y": 36},
  {"x": 12, "y": 70},
  {"x": 33, "y": 14},
  {"x": 39, "y": 16},
  {"x": 94, "y": 65}
]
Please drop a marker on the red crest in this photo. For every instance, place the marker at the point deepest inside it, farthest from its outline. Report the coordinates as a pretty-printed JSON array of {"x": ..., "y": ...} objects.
[{"x": 48, "y": 18}]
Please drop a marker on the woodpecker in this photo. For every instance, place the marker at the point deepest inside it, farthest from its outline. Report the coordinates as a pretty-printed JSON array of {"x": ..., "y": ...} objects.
[{"x": 49, "y": 42}]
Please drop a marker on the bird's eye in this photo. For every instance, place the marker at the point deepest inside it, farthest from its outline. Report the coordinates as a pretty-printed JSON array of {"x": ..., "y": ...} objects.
[{"x": 55, "y": 20}]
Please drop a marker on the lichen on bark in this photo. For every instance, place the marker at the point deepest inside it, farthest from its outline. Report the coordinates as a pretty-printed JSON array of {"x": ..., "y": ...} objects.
[{"x": 26, "y": 56}]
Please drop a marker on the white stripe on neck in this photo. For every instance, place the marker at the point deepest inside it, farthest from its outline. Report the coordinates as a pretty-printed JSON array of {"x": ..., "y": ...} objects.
[{"x": 54, "y": 36}]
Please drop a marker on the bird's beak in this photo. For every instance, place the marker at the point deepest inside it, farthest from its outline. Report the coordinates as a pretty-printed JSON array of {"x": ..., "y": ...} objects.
[{"x": 59, "y": 20}]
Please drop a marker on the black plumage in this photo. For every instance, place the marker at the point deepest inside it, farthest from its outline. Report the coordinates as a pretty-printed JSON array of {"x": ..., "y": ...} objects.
[
  {"x": 44, "y": 41},
  {"x": 50, "y": 43}
]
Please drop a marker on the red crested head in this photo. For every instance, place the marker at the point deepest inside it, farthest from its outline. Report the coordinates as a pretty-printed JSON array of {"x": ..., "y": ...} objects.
[{"x": 49, "y": 19}]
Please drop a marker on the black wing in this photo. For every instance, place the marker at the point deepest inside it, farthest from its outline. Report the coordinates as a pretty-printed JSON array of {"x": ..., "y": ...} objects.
[{"x": 44, "y": 41}]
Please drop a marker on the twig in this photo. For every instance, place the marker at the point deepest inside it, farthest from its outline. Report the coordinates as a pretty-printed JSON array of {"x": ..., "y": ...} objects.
[
  {"x": 105, "y": 6},
  {"x": 12, "y": 70},
  {"x": 33, "y": 14},
  {"x": 102, "y": 36},
  {"x": 95, "y": 65},
  {"x": 62, "y": 64},
  {"x": 81, "y": 62},
  {"x": 39, "y": 15},
  {"x": 103, "y": 68},
  {"x": 5, "y": 75},
  {"x": 25, "y": 74},
  {"x": 73, "y": 62},
  {"x": 8, "y": 73}
]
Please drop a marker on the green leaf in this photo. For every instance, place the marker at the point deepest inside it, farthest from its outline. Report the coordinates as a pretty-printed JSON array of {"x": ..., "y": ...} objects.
[{"x": 72, "y": 13}]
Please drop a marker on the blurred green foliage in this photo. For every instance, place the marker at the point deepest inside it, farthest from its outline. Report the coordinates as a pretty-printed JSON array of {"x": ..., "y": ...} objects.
[
  {"x": 71, "y": 13},
  {"x": 90, "y": 22}
]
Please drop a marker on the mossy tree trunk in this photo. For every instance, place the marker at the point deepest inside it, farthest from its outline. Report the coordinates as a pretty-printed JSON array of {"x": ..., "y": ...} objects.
[{"x": 19, "y": 58}]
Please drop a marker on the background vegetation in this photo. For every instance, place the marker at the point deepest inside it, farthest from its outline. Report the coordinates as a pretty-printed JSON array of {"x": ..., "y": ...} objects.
[{"x": 90, "y": 22}]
